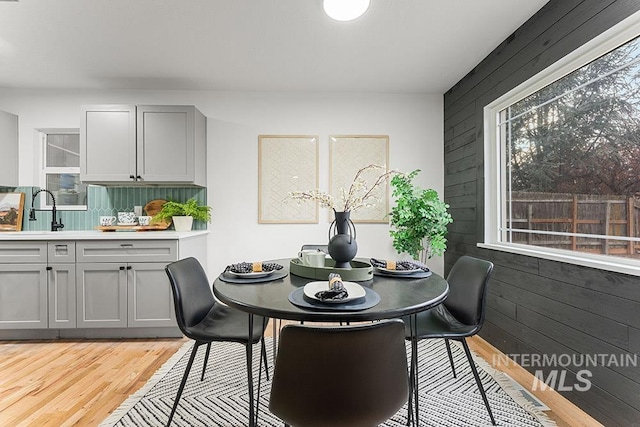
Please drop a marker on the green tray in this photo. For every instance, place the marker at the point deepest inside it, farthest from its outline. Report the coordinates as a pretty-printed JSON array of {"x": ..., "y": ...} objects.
[{"x": 360, "y": 270}]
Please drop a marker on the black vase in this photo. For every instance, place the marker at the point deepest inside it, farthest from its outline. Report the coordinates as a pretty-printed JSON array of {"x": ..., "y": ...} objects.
[{"x": 342, "y": 239}]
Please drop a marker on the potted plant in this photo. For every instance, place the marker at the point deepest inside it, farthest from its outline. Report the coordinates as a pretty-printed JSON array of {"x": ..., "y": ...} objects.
[
  {"x": 420, "y": 219},
  {"x": 183, "y": 214}
]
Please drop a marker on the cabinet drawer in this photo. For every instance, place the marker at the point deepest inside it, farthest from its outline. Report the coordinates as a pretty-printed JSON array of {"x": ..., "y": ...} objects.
[
  {"x": 23, "y": 252},
  {"x": 62, "y": 252},
  {"x": 127, "y": 251}
]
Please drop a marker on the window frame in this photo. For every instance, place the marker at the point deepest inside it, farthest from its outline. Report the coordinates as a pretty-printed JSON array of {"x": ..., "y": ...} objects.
[
  {"x": 494, "y": 173},
  {"x": 44, "y": 170}
]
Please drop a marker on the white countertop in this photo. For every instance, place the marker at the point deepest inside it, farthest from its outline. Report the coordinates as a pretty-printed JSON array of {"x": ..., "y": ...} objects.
[{"x": 98, "y": 235}]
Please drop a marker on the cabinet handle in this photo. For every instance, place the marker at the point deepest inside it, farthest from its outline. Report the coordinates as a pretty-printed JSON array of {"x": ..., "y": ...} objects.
[
  {"x": 138, "y": 177},
  {"x": 49, "y": 268},
  {"x": 128, "y": 267},
  {"x": 122, "y": 268},
  {"x": 132, "y": 177},
  {"x": 126, "y": 245}
]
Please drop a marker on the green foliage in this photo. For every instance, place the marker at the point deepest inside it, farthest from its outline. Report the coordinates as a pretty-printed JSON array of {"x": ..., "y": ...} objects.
[
  {"x": 188, "y": 208},
  {"x": 419, "y": 217}
]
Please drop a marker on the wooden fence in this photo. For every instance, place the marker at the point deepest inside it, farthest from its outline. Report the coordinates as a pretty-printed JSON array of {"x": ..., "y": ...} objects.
[{"x": 579, "y": 214}]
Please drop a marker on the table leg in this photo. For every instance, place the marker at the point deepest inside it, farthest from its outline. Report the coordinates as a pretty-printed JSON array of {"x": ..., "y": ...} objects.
[
  {"x": 413, "y": 376},
  {"x": 250, "y": 371}
]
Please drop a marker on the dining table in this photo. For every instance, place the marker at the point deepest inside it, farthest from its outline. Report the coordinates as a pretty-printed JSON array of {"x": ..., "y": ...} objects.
[{"x": 281, "y": 295}]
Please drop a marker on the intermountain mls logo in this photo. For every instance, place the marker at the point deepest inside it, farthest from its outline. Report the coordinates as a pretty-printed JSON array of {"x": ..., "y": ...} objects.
[{"x": 559, "y": 366}]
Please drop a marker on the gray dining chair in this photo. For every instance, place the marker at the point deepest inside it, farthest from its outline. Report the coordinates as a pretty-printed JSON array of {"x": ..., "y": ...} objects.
[
  {"x": 204, "y": 320},
  {"x": 340, "y": 376},
  {"x": 461, "y": 315}
]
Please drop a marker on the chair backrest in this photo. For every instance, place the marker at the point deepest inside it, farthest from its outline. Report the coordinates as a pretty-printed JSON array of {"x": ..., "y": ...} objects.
[
  {"x": 192, "y": 296},
  {"x": 340, "y": 376},
  {"x": 468, "y": 280}
]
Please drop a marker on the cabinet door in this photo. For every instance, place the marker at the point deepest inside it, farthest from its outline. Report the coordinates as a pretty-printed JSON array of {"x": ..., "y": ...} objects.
[
  {"x": 23, "y": 296},
  {"x": 62, "y": 295},
  {"x": 101, "y": 295},
  {"x": 108, "y": 143},
  {"x": 166, "y": 143},
  {"x": 150, "y": 297},
  {"x": 9, "y": 143}
]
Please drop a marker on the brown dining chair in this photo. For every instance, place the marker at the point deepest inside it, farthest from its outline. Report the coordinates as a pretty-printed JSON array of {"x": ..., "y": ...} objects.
[
  {"x": 204, "y": 320},
  {"x": 353, "y": 376},
  {"x": 461, "y": 315}
]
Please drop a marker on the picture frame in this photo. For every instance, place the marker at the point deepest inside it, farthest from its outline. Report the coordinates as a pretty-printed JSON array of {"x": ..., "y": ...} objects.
[
  {"x": 350, "y": 153},
  {"x": 286, "y": 163},
  {"x": 11, "y": 211}
]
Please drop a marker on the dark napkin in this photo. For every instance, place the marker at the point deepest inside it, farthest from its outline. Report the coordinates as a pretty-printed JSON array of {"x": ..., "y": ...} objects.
[
  {"x": 402, "y": 265},
  {"x": 247, "y": 267},
  {"x": 336, "y": 291}
]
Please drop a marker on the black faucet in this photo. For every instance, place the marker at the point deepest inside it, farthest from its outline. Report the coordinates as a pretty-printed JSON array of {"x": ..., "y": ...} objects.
[{"x": 55, "y": 225}]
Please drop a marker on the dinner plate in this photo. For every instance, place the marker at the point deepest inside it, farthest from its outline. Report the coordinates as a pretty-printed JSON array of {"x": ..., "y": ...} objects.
[
  {"x": 399, "y": 272},
  {"x": 354, "y": 291},
  {"x": 251, "y": 275}
]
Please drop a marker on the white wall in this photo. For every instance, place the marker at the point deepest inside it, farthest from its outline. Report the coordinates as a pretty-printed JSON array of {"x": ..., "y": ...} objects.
[{"x": 413, "y": 122}]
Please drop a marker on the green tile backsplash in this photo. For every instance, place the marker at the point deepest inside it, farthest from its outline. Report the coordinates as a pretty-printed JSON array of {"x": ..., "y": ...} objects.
[{"x": 105, "y": 201}]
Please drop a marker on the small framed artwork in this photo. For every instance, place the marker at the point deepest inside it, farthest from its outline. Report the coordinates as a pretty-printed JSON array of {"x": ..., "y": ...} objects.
[
  {"x": 286, "y": 163},
  {"x": 350, "y": 153},
  {"x": 11, "y": 208}
]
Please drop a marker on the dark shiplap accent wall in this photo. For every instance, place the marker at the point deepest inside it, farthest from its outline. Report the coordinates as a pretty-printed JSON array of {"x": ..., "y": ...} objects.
[{"x": 536, "y": 306}]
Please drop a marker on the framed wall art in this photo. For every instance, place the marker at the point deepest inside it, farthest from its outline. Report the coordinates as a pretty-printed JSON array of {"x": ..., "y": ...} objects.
[
  {"x": 350, "y": 153},
  {"x": 286, "y": 163},
  {"x": 11, "y": 209}
]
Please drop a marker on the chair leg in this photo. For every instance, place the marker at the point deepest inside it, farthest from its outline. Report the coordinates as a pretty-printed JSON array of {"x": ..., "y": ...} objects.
[
  {"x": 184, "y": 380},
  {"x": 249, "y": 357},
  {"x": 477, "y": 377},
  {"x": 206, "y": 360},
  {"x": 453, "y": 368}
]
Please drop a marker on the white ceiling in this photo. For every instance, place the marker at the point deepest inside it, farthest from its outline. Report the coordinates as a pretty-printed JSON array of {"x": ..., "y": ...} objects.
[{"x": 406, "y": 46}]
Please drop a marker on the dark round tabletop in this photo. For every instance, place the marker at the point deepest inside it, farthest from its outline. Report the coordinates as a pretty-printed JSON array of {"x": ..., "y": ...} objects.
[{"x": 398, "y": 297}]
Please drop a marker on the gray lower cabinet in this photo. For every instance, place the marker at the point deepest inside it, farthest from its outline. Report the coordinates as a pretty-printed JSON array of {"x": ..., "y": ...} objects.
[
  {"x": 61, "y": 279},
  {"x": 23, "y": 285},
  {"x": 150, "y": 301},
  {"x": 86, "y": 284},
  {"x": 23, "y": 296},
  {"x": 37, "y": 285},
  {"x": 118, "y": 295},
  {"x": 61, "y": 284},
  {"x": 102, "y": 295},
  {"x": 123, "y": 284}
]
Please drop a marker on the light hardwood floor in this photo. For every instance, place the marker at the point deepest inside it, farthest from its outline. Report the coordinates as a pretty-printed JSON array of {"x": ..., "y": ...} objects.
[{"x": 79, "y": 383}]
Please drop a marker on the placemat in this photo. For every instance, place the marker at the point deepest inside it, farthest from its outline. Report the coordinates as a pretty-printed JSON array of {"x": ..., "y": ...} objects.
[
  {"x": 416, "y": 275},
  {"x": 229, "y": 278},
  {"x": 371, "y": 299}
]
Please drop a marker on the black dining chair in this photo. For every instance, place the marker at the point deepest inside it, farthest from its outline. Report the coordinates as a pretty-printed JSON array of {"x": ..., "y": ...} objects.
[
  {"x": 353, "y": 376},
  {"x": 205, "y": 320},
  {"x": 461, "y": 315}
]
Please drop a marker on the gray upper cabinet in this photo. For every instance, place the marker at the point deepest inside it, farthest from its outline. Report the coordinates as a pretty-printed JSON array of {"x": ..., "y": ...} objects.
[
  {"x": 108, "y": 143},
  {"x": 143, "y": 144},
  {"x": 9, "y": 144}
]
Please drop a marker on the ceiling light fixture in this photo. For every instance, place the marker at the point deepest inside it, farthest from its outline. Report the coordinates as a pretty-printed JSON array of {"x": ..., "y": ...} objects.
[{"x": 345, "y": 10}]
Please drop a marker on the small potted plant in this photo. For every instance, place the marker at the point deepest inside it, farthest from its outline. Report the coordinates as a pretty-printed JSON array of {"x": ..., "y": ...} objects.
[
  {"x": 419, "y": 219},
  {"x": 183, "y": 214}
]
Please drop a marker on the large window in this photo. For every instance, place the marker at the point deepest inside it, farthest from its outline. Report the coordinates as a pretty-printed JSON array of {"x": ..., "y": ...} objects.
[
  {"x": 61, "y": 169},
  {"x": 565, "y": 153}
]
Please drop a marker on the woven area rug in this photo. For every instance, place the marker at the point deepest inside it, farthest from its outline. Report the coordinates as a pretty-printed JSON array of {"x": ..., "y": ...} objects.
[{"x": 222, "y": 399}]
